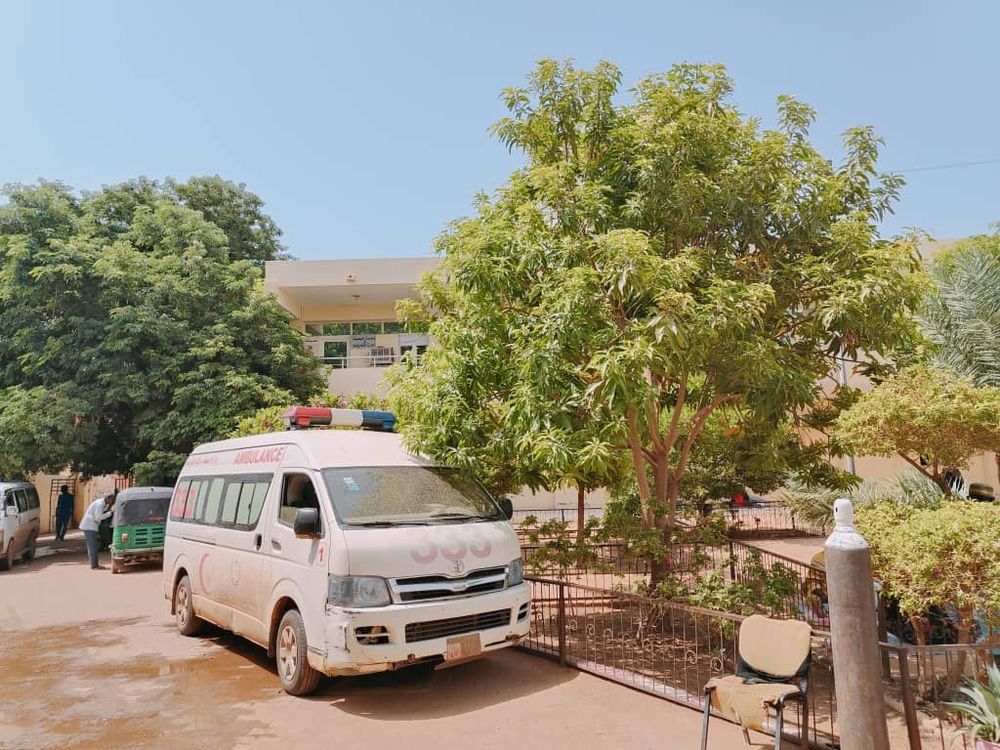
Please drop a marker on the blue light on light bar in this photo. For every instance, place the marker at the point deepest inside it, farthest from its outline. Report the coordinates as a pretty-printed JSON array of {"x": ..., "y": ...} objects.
[{"x": 384, "y": 421}]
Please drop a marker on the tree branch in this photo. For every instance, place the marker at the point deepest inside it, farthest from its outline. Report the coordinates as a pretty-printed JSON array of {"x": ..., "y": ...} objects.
[
  {"x": 639, "y": 464},
  {"x": 653, "y": 416},
  {"x": 696, "y": 424},
  {"x": 676, "y": 417}
]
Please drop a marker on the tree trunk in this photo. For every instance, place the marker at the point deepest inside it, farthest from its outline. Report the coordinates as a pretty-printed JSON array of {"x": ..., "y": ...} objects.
[
  {"x": 661, "y": 570},
  {"x": 580, "y": 498},
  {"x": 957, "y": 670}
]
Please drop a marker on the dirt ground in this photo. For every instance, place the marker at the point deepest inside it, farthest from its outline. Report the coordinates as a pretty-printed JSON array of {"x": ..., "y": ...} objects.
[
  {"x": 92, "y": 660},
  {"x": 798, "y": 548}
]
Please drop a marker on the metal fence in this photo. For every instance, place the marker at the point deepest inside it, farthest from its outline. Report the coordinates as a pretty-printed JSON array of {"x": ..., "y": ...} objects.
[
  {"x": 780, "y": 585},
  {"x": 565, "y": 515},
  {"x": 660, "y": 647},
  {"x": 670, "y": 649},
  {"x": 766, "y": 519},
  {"x": 919, "y": 682}
]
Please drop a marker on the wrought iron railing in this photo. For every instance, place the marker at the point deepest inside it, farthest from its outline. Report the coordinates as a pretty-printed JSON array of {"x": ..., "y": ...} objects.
[
  {"x": 670, "y": 650},
  {"x": 660, "y": 647},
  {"x": 921, "y": 680},
  {"x": 793, "y": 589}
]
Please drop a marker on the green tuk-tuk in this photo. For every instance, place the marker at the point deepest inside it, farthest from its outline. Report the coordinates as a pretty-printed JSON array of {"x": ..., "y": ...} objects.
[{"x": 140, "y": 524}]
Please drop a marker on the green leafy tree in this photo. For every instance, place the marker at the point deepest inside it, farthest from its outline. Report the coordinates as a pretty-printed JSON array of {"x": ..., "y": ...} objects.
[
  {"x": 131, "y": 334},
  {"x": 654, "y": 262},
  {"x": 941, "y": 556},
  {"x": 934, "y": 419}
]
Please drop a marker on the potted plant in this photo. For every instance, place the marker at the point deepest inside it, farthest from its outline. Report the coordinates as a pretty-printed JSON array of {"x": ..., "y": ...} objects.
[{"x": 981, "y": 710}]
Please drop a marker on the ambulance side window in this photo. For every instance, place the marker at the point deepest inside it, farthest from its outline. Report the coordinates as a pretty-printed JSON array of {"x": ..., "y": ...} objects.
[
  {"x": 209, "y": 513},
  {"x": 297, "y": 491},
  {"x": 230, "y": 503}
]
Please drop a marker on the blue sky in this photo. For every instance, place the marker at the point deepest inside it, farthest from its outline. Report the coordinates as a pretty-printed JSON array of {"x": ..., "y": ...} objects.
[{"x": 364, "y": 125}]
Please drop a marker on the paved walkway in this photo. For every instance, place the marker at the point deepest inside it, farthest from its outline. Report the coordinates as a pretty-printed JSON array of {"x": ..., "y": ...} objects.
[{"x": 97, "y": 663}]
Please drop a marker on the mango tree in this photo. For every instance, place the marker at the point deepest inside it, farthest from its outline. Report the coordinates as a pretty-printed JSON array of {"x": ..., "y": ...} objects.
[
  {"x": 934, "y": 419},
  {"x": 655, "y": 261}
]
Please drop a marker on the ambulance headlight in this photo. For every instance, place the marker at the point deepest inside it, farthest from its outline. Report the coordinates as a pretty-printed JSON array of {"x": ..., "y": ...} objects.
[
  {"x": 515, "y": 572},
  {"x": 358, "y": 591}
]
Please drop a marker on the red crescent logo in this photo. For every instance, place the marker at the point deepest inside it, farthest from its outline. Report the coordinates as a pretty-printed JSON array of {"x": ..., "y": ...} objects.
[
  {"x": 201, "y": 573},
  {"x": 457, "y": 554},
  {"x": 425, "y": 559},
  {"x": 483, "y": 551}
]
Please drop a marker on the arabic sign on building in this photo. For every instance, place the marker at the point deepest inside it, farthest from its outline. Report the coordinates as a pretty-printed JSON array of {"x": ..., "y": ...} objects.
[{"x": 363, "y": 341}]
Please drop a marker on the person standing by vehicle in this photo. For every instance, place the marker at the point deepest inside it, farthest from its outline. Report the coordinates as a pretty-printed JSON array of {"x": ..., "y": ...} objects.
[
  {"x": 64, "y": 511},
  {"x": 90, "y": 525}
]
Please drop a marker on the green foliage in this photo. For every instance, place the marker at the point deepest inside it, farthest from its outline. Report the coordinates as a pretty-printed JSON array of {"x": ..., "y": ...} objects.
[
  {"x": 262, "y": 421},
  {"x": 924, "y": 413},
  {"x": 554, "y": 549},
  {"x": 135, "y": 328},
  {"x": 813, "y": 502},
  {"x": 362, "y": 400},
  {"x": 981, "y": 707},
  {"x": 656, "y": 261},
  {"x": 714, "y": 592},
  {"x": 961, "y": 317},
  {"x": 935, "y": 556},
  {"x": 271, "y": 418},
  {"x": 734, "y": 452},
  {"x": 252, "y": 234},
  {"x": 758, "y": 588}
]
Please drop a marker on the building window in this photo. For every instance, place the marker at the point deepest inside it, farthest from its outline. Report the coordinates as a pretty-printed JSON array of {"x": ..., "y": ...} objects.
[
  {"x": 335, "y": 353},
  {"x": 336, "y": 329},
  {"x": 364, "y": 327}
]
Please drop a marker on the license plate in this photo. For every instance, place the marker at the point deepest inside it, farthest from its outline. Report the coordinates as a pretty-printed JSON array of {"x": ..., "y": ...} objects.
[{"x": 463, "y": 647}]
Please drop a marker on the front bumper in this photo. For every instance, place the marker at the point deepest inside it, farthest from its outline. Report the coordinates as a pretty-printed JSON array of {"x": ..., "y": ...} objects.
[
  {"x": 138, "y": 554},
  {"x": 344, "y": 654}
]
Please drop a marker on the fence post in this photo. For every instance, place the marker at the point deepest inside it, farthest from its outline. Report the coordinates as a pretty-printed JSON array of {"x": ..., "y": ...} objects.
[
  {"x": 909, "y": 707},
  {"x": 854, "y": 636},
  {"x": 883, "y": 629},
  {"x": 732, "y": 562},
  {"x": 562, "y": 624}
]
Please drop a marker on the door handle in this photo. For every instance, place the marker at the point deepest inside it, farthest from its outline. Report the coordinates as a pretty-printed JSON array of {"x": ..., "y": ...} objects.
[
  {"x": 257, "y": 540},
  {"x": 275, "y": 544}
]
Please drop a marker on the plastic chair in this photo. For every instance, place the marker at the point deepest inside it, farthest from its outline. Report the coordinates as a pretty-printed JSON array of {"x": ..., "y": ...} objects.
[{"x": 772, "y": 669}]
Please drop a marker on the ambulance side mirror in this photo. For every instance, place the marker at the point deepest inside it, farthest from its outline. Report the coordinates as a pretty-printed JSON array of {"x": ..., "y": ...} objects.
[
  {"x": 506, "y": 507},
  {"x": 306, "y": 522}
]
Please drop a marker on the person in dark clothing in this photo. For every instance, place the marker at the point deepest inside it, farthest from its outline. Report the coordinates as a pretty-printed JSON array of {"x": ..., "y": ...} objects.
[{"x": 64, "y": 511}]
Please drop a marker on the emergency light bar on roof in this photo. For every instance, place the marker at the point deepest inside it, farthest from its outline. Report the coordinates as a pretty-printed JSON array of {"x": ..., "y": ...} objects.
[{"x": 303, "y": 417}]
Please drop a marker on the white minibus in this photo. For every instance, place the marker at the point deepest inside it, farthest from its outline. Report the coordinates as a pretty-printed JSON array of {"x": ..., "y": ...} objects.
[
  {"x": 20, "y": 519},
  {"x": 340, "y": 552}
]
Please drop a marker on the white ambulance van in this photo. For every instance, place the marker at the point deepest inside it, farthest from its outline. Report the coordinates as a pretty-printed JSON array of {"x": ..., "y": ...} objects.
[{"x": 340, "y": 552}]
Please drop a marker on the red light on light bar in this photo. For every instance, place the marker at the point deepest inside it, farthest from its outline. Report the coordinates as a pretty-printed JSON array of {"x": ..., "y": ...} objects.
[{"x": 308, "y": 416}]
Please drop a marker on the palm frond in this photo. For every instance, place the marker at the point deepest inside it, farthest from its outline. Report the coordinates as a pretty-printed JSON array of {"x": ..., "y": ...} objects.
[{"x": 962, "y": 317}]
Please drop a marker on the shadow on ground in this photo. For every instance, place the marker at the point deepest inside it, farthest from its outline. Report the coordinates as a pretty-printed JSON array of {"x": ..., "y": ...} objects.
[{"x": 417, "y": 693}]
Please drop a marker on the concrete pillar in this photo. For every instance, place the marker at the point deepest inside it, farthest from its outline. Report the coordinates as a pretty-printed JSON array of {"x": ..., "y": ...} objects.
[{"x": 860, "y": 700}]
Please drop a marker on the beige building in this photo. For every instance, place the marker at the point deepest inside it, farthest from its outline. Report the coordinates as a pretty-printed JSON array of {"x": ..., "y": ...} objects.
[{"x": 346, "y": 308}]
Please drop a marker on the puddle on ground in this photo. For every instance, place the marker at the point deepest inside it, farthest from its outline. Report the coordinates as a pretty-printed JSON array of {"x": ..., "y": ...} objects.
[{"x": 92, "y": 687}]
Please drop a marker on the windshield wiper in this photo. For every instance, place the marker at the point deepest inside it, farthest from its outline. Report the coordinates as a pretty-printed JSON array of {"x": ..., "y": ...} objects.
[
  {"x": 387, "y": 524},
  {"x": 450, "y": 516}
]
